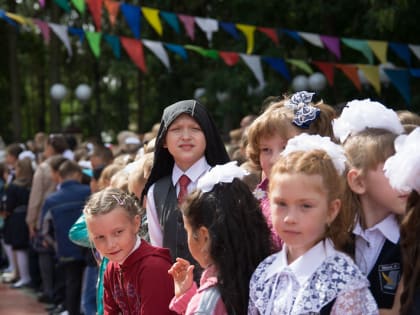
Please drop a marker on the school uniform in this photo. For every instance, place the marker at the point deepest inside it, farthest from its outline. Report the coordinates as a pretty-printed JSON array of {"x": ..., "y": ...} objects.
[
  {"x": 322, "y": 281},
  {"x": 378, "y": 255}
]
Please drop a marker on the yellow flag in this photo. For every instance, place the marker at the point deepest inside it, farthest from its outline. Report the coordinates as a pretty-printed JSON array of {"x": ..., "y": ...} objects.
[
  {"x": 18, "y": 18},
  {"x": 248, "y": 31},
  {"x": 379, "y": 48},
  {"x": 372, "y": 75},
  {"x": 152, "y": 16}
]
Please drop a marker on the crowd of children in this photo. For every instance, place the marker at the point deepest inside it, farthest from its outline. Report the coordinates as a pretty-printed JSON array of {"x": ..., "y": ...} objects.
[{"x": 311, "y": 211}]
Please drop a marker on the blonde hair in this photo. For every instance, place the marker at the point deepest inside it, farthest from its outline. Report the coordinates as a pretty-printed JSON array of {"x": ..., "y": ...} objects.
[
  {"x": 141, "y": 172},
  {"x": 318, "y": 162},
  {"x": 105, "y": 178},
  {"x": 109, "y": 199}
]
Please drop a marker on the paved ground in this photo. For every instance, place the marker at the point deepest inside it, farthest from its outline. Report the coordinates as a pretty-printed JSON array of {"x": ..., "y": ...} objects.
[{"x": 19, "y": 302}]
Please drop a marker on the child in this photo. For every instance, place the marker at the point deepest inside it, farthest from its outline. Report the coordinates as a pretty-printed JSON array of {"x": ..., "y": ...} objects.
[
  {"x": 268, "y": 135},
  {"x": 187, "y": 145},
  {"x": 403, "y": 171},
  {"x": 136, "y": 279},
  {"x": 309, "y": 275},
  {"x": 228, "y": 236},
  {"x": 368, "y": 130}
]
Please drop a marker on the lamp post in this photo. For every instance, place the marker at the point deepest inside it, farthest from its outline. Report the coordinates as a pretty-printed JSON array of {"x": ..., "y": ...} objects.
[
  {"x": 316, "y": 82},
  {"x": 58, "y": 92}
]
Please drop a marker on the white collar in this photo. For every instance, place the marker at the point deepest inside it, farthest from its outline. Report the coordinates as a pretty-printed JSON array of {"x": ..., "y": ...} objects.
[
  {"x": 194, "y": 172},
  {"x": 305, "y": 265},
  {"x": 388, "y": 227}
]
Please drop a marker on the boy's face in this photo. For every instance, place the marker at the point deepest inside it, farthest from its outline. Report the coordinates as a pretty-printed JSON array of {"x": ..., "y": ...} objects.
[{"x": 185, "y": 141}]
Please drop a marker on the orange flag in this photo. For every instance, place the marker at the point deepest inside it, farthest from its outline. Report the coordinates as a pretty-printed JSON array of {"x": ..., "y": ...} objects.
[
  {"x": 134, "y": 49},
  {"x": 113, "y": 7},
  {"x": 351, "y": 73}
]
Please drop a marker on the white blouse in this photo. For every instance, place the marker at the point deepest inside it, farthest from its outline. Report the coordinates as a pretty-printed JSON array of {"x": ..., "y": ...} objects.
[{"x": 311, "y": 282}]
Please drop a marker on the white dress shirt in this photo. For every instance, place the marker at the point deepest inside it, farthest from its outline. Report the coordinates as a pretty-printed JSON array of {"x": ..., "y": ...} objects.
[{"x": 197, "y": 170}]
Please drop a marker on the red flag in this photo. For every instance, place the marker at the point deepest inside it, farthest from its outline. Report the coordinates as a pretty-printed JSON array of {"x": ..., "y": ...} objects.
[
  {"x": 327, "y": 69},
  {"x": 351, "y": 72},
  {"x": 95, "y": 8},
  {"x": 134, "y": 49},
  {"x": 271, "y": 33},
  {"x": 230, "y": 58}
]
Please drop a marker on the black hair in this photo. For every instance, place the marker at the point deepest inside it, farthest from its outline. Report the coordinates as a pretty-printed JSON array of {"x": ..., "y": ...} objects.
[{"x": 240, "y": 237}]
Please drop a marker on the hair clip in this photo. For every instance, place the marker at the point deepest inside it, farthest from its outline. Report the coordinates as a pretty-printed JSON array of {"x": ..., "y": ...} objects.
[
  {"x": 306, "y": 142},
  {"x": 305, "y": 113},
  {"x": 27, "y": 154},
  {"x": 224, "y": 173},
  {"x": 119, "y": 200}
]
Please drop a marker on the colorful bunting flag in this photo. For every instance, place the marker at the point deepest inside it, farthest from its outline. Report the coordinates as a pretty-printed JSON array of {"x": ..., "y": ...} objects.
[
  {"x": 132, "y": 15},
  {"x": 177, "y": 49},
  {"x": 351, "y": 72},
  {"x": 271, "y": 33},
  {"x": 379, "y": 48},
  {"x": 416, "y": 50},
  {"x": 254, "y": 63},
  {"x": 42, "y": 3},
  {"x": 372, "y": 75},
  {"x": 152, "y": 16},
  {"x": 114, "y": 42},
  {"x": 188, "y": 22},
  {"x": 360, "y": 45},
  {"x": 312, "y": 38},
  {"x": 157, "y": 49},
  {"x": 80, "y": 5},
  {"x": 171, "y": 19},
  {"x": 402, "y": 51},
  {"x": 95, "y": 8},
  {"x": 7, "y": 19},
  {"x": 18, "y": 18},
  {"x": 248, "y": 31},
  {"x": 63, "y": 4},
  {"x": 230, "y": 58},
  {"x": 327, "y": 69},
  {"x": 77, "y": 31},
  {"x": 400, "y": 78},
  {"x": 333, "y": 44},
  {"x": 208, "y": 26},
  {"x": 61, "y": 32},
  {"x": 278, "y": 65},
  {"x": 210, "y": 53},
  {"x": 113, "y": 7},
  {"x": 134, "y": 49},
  {"x": 292, "y": 34},
  {"x": 230, "y": 28},
  {"x": 415, "y": 72},
  {"x": 44, "y": 28},
  {"x": 301, "y": 65},
  {"x": 94, "y": 40}
]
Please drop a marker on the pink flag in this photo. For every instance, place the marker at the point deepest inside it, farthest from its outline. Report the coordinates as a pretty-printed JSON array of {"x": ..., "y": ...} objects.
[
  {"x": 333, "y": 44},
  {"x": 45, "y": 30},
  {"x": 188, "y": 22}
]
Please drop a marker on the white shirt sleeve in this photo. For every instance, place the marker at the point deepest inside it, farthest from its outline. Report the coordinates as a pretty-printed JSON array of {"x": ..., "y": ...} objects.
[
  {"x": 355, "y": 302},
  {"x": 155, "y": 229}
]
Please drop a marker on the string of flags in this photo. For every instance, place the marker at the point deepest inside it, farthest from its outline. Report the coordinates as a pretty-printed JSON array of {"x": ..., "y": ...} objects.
[{"x": 399, "y": 77}]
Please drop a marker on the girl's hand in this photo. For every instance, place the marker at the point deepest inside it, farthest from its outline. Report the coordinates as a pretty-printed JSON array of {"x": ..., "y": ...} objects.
[{"x": 182, "y": 273}]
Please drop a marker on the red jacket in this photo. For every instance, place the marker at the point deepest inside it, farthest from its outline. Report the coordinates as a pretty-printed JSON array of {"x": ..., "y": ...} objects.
[{"x": 141, "y": 285}]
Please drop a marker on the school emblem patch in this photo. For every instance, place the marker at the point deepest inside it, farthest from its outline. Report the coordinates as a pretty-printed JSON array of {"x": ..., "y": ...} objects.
[{"x": 389, "y": 276}]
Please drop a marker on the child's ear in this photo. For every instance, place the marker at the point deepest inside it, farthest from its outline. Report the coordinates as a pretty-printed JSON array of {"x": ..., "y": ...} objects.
[
  {"x": 137, "y": 222},
  {"x": 333, "y": 210},
  {"x": 203, "y": 235},
  {"x": 355, "y": 181}
]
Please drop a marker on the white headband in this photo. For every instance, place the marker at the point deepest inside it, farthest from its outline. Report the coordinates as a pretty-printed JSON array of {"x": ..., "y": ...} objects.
[
  {"x": 358, "y": 115},
  {"x": 403, "y": 168},
  {"x": 306, "y": 142},
  {"x": 224, "y": 173}
]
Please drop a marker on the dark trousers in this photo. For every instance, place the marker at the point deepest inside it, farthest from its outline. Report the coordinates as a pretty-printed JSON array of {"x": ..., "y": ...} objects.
[
  {"x": 74, "y": 277},
  {"x": 47, "y": 267}
]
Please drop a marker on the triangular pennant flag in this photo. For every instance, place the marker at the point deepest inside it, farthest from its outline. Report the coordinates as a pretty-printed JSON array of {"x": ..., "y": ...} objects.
[
  {"x": 134, "y": 49},
  {"x": 177, "y": 49},
  {"x": 312, "y": 38},
  {"x": 77, "y": 31},
  {"x": 351, "y": 72},
  {"x": 7, "y": 19},
  {"x": 94, "y": 40},
  {"x": 416, "y": 50},
  {"x": 415, "y": 72},
  {"x": 132, "y": 15},
  {"x": 210, "y": 53},
  {"x": 292, "y": 34},
  {"x": 230, "y": 58},
  {"x": 278, "y": 65},
  {"x": 18, "y": 18},
  {"x": 95, "y": 8},
  {"x": 379, "y": 48},
  {"x": 402, "y": 51},
  {"x": 152, "y": 16},
  {"x": 63, "y": 4},
  {"x": 42, "y": 3},
  {"x": 61, "y": 32},
  {"x": 327, "y": 69},
  {"x": 271, "y": 33},
  {"x": 113, "y": 7},
  {"x": 158, "y": 50},
  {"x": 254, "y": 63},
  {"x": 230, "y": 28},
  {"x": 188, "y": 22},
  {"x": 114, "y": 42},
  {"x": 208, "y": 26},
  {"x": 372, "y": 75},
  {"x": 248, "y": 31},
  {"x": 360, "y": 45},
  {"x": 332, "y": 43},
  {"x": 80, "y": 5},
  {"x": 171, "y": 19},
  {"x": 301, "y": 65},
  {"x": 401, "y": 80},
  {"x": 45, "y": 30}
]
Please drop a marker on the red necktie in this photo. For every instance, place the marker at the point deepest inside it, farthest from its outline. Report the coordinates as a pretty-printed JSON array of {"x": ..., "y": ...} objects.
[{"x": 183, "y": 181}]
